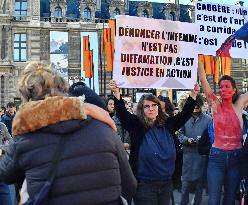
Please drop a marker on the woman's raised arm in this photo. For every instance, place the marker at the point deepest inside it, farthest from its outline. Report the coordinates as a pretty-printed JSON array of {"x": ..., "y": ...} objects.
[{"x": 203, "y": 78}]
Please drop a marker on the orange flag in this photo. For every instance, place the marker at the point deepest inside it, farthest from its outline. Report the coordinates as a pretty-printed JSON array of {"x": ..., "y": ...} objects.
[
  {"x": 86, "y": 53},
  {"x": 217, "y": 69},
  {"x": 108, "y": 48},
  {"x": 112, "y": 38},
  {"x": 89, "y": 71},
  {"x": 226, "y": 65},
  {"x": 209, "y": 64}
]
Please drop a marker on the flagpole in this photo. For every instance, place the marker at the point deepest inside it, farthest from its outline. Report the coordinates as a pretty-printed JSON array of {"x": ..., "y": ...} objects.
[
  {"x": 100, "y": 57},
  {"x": 93, "y": 70},
  {"x": 104, "y": 72}
]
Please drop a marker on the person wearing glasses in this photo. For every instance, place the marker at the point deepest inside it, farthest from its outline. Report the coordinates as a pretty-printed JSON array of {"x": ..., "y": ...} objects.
[{"x": 153, "y": 153}]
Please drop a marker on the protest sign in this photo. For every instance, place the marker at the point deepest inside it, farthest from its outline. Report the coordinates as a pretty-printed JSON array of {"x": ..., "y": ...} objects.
[
  {"x": 217, "y": 22},
  {"x": 154, "y": 53}
]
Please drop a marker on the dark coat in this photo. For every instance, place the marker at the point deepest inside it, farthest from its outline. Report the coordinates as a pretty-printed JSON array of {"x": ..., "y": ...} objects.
[
  {"x": 7, "y": 120},
  {"x": 194, "y": 164},
  {"x": 93, "y": 169},
  {"x": 137, "y": 130}
]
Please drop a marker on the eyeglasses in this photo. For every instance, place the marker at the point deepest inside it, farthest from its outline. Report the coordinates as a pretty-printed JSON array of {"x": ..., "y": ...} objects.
[{"x": 154, "y": 106}]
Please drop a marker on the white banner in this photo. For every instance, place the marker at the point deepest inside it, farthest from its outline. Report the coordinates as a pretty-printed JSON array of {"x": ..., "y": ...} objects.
[
  {"x": 217, "y": 22},
  {"x": 153, "y": 53}
]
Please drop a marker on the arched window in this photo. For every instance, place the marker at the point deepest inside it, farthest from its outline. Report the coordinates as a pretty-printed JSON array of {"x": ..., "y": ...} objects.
[
  {"x": 117, "y": 12},
  {"x": 87, "y": 13},
  {"x": 145, "y": 13},
  {"x": 172, "y": 16},
  {"x": 58, "y": 12}
]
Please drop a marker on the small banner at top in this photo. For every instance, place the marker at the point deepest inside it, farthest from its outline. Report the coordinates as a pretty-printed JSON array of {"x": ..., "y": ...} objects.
[
  {"x": 153, "y": 53},
  {"x": 221, "y": 23}
]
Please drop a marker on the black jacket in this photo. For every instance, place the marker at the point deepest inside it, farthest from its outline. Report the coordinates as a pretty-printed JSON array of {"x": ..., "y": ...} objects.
[{"x": 93, "y": 169}]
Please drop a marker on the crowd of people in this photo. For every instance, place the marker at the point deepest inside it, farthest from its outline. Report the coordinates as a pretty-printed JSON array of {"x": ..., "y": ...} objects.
[{"x": 67, "y": 145}]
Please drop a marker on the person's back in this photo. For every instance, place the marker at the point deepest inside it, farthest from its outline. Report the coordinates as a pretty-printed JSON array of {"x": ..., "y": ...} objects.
[{"x": 93, "y": 168}]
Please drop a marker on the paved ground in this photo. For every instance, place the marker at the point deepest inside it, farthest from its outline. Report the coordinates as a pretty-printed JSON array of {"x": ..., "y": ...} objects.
[{"x": 177, "y": 197}]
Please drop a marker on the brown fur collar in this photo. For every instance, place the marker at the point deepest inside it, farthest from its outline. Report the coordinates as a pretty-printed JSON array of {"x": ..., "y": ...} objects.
[{"x": 34, "y": 115}]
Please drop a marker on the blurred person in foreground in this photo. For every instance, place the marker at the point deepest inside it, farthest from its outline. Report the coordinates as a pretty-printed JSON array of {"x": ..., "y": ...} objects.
[
  {"x": 5, "y": 194},
  {"x": 48, "y": 117}
]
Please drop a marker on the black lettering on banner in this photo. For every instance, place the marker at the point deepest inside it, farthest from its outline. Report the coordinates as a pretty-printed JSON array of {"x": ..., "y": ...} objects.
[
  {"x": 237, "y": 21},
  {"x": 159, "y": 72},
  {"x": 201, "y": 28},
  {"x": 212, "y": 7},
  {"x": 178, "y": 73},
  {"x": 139, "y": 33},
  {"x": 184, "y": 61},
  {"x": 145, "y": 59},
  {"x": 174, "y": 36},
  {"x": 220, "y": 29},
  {"x": 137, "y": 71}
]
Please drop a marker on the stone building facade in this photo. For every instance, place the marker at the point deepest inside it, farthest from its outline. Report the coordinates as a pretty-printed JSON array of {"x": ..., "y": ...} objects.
[{"x": 25, "y": 27}]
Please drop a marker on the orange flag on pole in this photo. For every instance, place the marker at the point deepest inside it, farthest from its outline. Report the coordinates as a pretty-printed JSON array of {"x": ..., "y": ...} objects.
[
  {"x": 108, "y": 48},
  {"x": 217, "y": 69},
  {"x": 86, "y": 53},
  {"x": 226, "y": 65},
  {"x": 89, "y": 71},
  {"x": 209, "y": 64},
  {"x": 112, "y": 37}
]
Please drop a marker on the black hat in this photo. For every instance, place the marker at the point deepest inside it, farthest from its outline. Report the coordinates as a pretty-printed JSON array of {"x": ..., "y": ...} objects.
[{"x": 80, "y": 88}]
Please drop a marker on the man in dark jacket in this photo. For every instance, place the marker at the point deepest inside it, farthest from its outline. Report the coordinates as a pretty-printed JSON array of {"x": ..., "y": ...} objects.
[
  {"x": 7, "y": 118},
  {"x": 93, "y": 168}
]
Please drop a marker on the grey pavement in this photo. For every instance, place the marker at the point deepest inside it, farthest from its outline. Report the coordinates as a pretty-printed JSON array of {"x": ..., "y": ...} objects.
[{"x": 177, "y": 197}]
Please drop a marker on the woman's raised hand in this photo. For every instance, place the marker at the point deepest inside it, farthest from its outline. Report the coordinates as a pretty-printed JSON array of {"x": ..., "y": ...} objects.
[
  {"x": 99, "y": 114},
  {"x": 115, "y": 89},
  {"x": 195, "y": 91}
]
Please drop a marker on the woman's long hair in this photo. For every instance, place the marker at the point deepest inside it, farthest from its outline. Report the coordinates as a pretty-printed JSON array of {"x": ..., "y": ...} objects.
[
  {"x": 161, "y": 118},
  {"x": 234, "y": 86}
]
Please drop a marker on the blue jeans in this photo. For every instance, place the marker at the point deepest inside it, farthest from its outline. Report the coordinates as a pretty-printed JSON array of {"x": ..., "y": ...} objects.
[
  {"x": 224, "y": 169},
  {"x": 5, "y": 194},
  {"x": 153, "y": 193},
  {"x": 186, "y": 190}
]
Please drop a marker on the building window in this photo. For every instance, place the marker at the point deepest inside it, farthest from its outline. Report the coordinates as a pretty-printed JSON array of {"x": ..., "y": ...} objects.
[
  {"x": 20, "y": 47},
  {"x": 117, "y": 12},
  {"x": 21, "y": 8},
  {"x": 145, "y": 14},
  {"x": 87, "y": 13},
  {"x": 58, "y": 12},
  {"x": 172, "y": 16}
]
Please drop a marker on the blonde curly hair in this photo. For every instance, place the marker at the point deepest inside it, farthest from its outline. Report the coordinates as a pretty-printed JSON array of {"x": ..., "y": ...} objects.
[{"x": 39, "y": 81}]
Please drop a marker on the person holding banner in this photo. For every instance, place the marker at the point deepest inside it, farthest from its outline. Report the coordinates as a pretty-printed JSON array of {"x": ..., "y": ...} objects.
[
  {"x": 153, "y": 151},
  {"x": 224, "y": 167}
]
